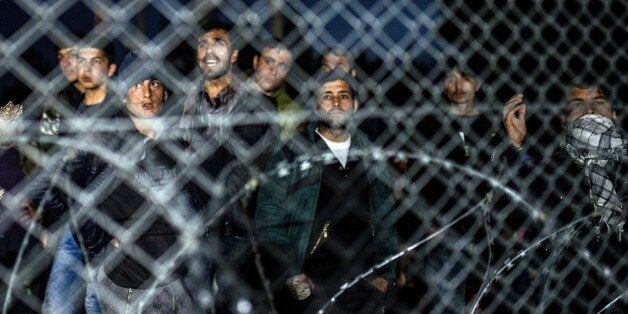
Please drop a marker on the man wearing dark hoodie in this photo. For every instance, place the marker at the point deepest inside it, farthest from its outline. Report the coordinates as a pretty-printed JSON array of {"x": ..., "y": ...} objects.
[{"x": 140, "y": 212}]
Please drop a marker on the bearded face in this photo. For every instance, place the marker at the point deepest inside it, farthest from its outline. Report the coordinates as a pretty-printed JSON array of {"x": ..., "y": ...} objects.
[
  {"x": 336, "y": 105},
  {"x": 215, "y": 54}
]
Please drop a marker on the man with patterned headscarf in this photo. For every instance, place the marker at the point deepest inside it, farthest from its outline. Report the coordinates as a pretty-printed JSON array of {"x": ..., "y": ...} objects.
[
  {"x": 597, "y": 145},
  {"x": 582, "y": 177},
  {"x": 592, "y": 140}
]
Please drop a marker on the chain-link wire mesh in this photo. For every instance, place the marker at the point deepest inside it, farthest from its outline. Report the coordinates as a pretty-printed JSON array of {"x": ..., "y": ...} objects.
[{"x": 217, "y": 213}]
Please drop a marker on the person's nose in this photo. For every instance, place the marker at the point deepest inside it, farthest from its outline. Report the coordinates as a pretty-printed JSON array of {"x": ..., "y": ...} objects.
[
  {"x": 64, "y": 62},
  {"x": 458, "y": 84},
  {"x": 146, "y": 90}
]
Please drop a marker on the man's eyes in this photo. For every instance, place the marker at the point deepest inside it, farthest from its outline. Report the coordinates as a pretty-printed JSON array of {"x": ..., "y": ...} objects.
[
  {"x": 215, "y": 41},
  {"x": 340, "y": 97}
]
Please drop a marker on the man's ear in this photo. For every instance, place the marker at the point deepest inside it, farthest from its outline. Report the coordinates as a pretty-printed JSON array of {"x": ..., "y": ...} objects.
[
  {"x": 234, "y": 56},
  {"x": 255, "y": 62},
  {"x": 112, "y": 69},
  {"x": 352, "y": 73}
]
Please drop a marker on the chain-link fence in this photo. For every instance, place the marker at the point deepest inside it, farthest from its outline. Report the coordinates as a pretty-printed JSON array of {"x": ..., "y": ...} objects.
[{"x": 238, "y": 194}]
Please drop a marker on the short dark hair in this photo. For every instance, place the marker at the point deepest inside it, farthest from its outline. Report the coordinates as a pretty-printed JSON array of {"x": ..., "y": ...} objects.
[
  {"x": 270, "y": 43},
  {"x": 588, "y": 84},
  {"x": 466, "y": 69},
  {"x": 104, "y": 45},
  {"x": 336, "y": 74},
  {"x": 212, "y": 25},
  {"x": 339, "y": 51},
  {"x": 226, "y": 27},
  {"x": 59, "y": 44}
]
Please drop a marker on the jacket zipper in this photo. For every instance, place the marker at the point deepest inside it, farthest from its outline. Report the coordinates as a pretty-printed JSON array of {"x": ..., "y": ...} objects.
[
  {"x": 464, "y": 143},
  {"x": 321, "y": 236},
  {"x": 128, "y": 299}
]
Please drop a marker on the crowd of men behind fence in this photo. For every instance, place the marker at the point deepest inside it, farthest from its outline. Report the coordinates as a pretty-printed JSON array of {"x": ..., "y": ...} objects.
[{"x": 236, "y": 195}]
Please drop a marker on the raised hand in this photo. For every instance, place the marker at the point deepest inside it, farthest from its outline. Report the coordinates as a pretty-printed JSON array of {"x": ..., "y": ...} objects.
[{"x": 513, "y": 117}]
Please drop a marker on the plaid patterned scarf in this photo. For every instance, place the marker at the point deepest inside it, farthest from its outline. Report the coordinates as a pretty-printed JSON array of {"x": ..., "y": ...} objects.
[{"x": 594, "y": 142}]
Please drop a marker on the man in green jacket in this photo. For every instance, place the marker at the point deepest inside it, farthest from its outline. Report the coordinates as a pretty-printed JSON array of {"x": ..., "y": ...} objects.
[{"x": 327, "y": 208}]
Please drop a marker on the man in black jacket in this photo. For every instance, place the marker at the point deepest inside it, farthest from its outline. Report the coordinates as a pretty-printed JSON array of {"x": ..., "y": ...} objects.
[
  {"x": 141, "y": 206},
  {"x": 583, "y": 184},
  {"x": 95, "y": 65},
  {"x": 229, "y": 130}
]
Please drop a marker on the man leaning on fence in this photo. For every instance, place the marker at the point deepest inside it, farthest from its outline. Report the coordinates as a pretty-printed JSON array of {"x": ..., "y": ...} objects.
[
  {"x": 326, "y": 210},
  {"x": 229, "y": 131},
  {"x": 587, "y": 181}
]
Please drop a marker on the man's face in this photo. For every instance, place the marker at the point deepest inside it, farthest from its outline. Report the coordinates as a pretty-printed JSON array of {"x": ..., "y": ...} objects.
[
  {"x": 335, "y": 105},
  {"x": 94, "y": 69},
  {"x": 583, "y": 101},
  {"x": 460, "y": 88},
  {"x": 214, "y": 54},
  {"x": 68, "y": 63},
  {"x": 271, "y": 68},
  {"x": 331, "y": 61},
  {"x": 145, "y": 99}
]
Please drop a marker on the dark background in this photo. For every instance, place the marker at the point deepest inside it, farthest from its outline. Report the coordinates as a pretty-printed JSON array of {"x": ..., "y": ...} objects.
[{"x": 515, "y": 46}]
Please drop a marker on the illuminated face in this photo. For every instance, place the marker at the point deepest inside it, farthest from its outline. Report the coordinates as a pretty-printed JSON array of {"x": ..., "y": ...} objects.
[
  {"x": 94, "y": 69},
  {"x": 335, "y": 104},
  {"x": 271, "y": 68},
  {"x": 331, "y": 61},
  {"x": 214, "y": 54},
  {"x": 583, "y": 101},
  {"x": 145, "y": 99},
  {"x": 460, "y": 88},
  {"x": 68, "y": 63}
]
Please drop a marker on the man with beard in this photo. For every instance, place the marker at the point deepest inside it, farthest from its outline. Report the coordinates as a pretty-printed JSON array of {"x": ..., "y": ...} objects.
[
  {"x": 228, "y": 132},
  {"x": 585, "y": 179},
  {"x": 328, "y": 216}
]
